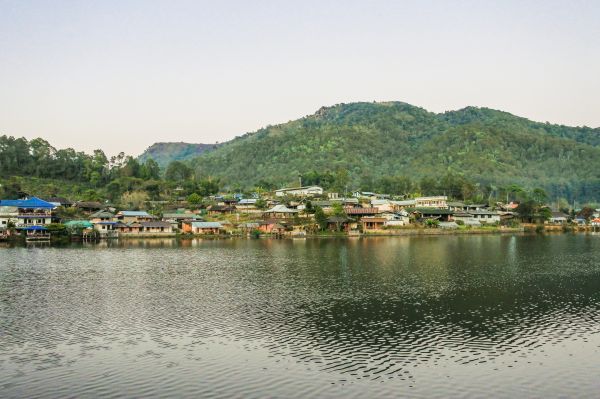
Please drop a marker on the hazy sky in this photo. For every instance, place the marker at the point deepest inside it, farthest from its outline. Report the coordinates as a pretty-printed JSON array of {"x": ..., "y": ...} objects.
[{"x": 120, "y": 75}]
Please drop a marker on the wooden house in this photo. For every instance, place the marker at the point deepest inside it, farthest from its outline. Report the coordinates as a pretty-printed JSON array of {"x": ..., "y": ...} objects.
[
  {"x": 220, "y": 209},
  {"x": 280, "y": 212},
  {"x": 134, "y": 216},
  {"x": 203, "y": 227},
  {"x": 372, "y": 223},
  {"x": 157, "y": 227},
  {"x": 102, "y": 216},
  {"x": 271, "y": 226}
]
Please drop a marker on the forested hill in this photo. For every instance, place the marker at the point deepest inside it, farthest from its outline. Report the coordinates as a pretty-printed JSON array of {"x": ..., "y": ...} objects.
[
  {"x": 395, "y": 139},
  {"x": 163, "y": 153}
]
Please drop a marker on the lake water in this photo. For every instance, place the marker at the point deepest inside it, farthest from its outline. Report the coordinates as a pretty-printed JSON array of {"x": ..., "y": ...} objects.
[{"x": 450, "y": 316}]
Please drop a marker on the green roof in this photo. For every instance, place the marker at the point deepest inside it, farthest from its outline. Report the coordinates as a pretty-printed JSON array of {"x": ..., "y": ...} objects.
[{"x": 79, "y": 223}]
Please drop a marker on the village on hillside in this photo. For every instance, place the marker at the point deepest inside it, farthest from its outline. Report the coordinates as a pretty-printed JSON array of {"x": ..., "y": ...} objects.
[{"x": 293, "y": 212}]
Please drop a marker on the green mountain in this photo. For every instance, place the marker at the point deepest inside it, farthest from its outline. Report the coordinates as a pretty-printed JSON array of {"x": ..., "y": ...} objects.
[
  {"x": 163, "y": 153},
  {"x": 369, "y": 141}
]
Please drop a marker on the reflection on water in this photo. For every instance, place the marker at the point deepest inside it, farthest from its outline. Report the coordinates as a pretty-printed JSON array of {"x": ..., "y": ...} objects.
[{"x": 402, "y": 316}]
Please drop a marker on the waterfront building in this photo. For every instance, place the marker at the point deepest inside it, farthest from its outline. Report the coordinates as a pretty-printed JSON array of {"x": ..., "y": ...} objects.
[
  {"x": 202, "y": 227},
  {"x": 27, "y": 212}
]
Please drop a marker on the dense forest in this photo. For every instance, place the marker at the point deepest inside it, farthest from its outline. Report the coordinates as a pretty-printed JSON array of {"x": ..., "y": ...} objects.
[
  {"x": 163, "y": 153},
  {"x": 35, "y": 167},
  {"x": 375, "y": 143}
]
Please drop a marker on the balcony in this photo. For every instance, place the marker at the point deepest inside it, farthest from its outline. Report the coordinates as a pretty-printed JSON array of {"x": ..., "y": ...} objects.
[{"x": 35, "y": 215}]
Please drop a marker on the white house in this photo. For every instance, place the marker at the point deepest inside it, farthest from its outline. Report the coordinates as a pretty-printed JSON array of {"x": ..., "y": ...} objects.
[
  {"x": 558, "y": 218},
  {"x": 486, "y": 216},
  {"x": 396, "y": 219},
  {"x": 25, "y": 213},
  {"x": 308, "y": 191},
  {"x": 439, "y": 201}
]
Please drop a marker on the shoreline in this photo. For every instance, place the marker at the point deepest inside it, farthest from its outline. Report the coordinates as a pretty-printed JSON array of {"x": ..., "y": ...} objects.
[{"x": 372, "y": 234}]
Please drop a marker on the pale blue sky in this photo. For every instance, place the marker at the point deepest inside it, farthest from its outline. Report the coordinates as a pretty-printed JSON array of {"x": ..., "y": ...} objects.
[{"x": 120, "y": 75}]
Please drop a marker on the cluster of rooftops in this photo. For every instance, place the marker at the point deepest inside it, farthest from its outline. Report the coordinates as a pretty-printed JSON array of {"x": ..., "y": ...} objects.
[{"x": 289, "y": 210}]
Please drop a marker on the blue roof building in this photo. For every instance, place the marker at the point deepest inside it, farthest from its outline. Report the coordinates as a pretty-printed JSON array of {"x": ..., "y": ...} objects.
[{"x": 31, "y": 202}]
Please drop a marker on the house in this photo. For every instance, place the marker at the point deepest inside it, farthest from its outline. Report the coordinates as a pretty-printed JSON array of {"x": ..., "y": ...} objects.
[
  {"x": 461, "y": 216},
  {"x": 383, "y": 205},
  {"x": 484, "y": 217},
  {"x": 396, "y": 219},
  {"x": 271, "y": 226},
  {"x": 558, "y": 218},
  {"x": 156, "y": 227},
  {"x": 89, "y": 206},
  {"x": 203, "y": 227},
  {"x": 280, "y": 211},
  {"x": 107, "y": 229},
  {"x": 176, "y": 219},
  {"x": 101, "y": 216},
  {"x": 227, "y": 202},
  {"x": 372, "y": 223},
  {"x": 459, "y": 206},
  {"x": 134, "y": 216},
  {"x": 60, "y": 201},
  {"x": 361, "y": 211},
  {"x": 595, "y": 222},
  {"x": 456, "y": 206},
  {"x": 350, "y": 201},
  {"x": 443, "y": 215},
  {"x": 220, "y": 209},
  {"x": 247, "y": 205},
  {"x": 308, "y": 191},
  {"x": 404, "y": 204},
  {"x": 440, "y": 201},
  {"x": 339, "y": 223},
  {"x": 248, "y": 227},
  {"x": 22, "y": 213},
  {"x": 132, "y": 228}
]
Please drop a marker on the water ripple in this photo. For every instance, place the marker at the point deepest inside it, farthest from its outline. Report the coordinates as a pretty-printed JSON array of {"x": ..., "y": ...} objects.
[{"x": 418, "y": 317}]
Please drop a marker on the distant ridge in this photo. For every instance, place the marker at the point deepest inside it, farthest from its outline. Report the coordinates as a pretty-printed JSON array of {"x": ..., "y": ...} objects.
[{"x": 374, "y": 140}]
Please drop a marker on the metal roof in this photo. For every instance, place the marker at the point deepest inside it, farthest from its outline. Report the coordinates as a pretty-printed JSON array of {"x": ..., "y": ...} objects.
[
  {"x": 134, "y": 213},
  {"x": 281, "y": 209},
  {"x": 361, "y": 211},
  {"x": 181, "y": 216},
  {"x": 207, "y": 225},
  {"x": 79, "y": 223},
  {"x": 31, "y": 202},
  {"x": 102, "y": 214},
  {"x": 247, "y": 201}
]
